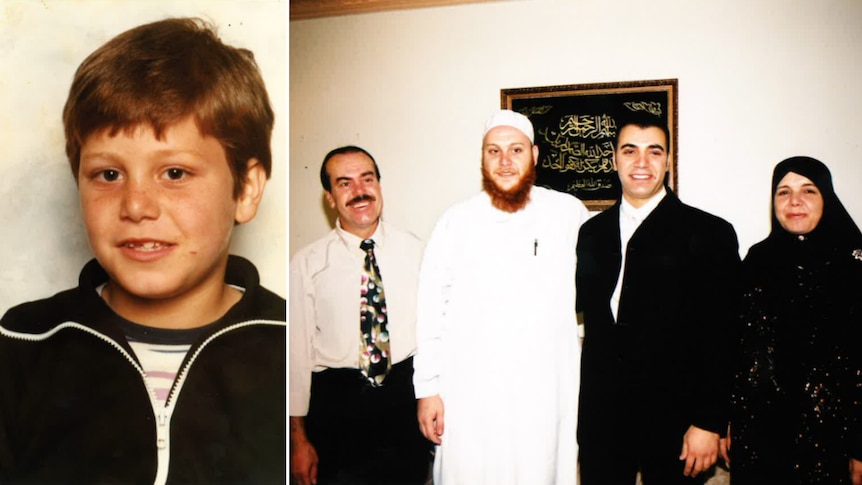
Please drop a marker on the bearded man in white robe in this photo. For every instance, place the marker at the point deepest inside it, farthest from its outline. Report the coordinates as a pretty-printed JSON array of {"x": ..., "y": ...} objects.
[{"x": 497, "y": 365}]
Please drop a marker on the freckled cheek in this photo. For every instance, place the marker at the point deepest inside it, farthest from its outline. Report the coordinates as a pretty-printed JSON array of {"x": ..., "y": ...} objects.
[
  {"x": 206, "y": 217},
  {"x": 97, "y": 208},
  {"x": 99, "y": 221}
]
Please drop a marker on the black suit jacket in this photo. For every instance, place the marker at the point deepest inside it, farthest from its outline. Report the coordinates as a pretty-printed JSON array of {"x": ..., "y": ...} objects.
[{"x": 664, "y": 364}]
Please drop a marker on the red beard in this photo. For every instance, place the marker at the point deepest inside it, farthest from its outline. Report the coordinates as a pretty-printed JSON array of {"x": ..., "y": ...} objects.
[{"x": 511, "y": 200}]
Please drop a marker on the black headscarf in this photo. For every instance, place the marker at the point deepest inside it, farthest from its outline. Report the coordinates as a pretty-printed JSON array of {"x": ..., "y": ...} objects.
[
  {"x": 836, "y": 228},
  {"x": 798, "y": 380}
]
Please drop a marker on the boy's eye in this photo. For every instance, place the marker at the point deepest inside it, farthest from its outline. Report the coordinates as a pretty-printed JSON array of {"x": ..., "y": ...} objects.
[
  {"x": 109, "y": 175},
  {"x": 175, "y": 173}
]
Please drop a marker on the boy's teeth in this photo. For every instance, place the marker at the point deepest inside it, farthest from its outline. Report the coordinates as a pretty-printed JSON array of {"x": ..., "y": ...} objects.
[{"x": 147, "y": 246}]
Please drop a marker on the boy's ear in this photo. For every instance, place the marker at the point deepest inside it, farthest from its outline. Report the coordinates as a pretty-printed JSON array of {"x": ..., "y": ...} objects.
[{"x": 252, "y": 192}]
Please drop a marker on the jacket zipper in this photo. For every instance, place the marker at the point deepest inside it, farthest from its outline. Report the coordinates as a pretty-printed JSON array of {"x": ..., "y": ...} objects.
[
  {"x": 163, "y": 415},
  {"x": 164, "y": 419}
]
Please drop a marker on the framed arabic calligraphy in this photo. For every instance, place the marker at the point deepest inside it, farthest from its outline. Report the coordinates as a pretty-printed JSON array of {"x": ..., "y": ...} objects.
[{"x": 574, "y": 129}]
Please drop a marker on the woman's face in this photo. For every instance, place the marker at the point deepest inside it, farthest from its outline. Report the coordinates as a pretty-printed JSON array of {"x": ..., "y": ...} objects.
[{"x": 798, "y": 204}]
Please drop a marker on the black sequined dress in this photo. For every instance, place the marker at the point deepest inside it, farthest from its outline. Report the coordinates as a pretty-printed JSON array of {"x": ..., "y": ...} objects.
[{"x": 796, "y": 396}]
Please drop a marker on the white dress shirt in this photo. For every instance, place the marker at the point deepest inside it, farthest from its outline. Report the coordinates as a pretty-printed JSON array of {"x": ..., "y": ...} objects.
[
  {"x": 324, "y": 304},
  {"x": 630, "y": 219}
]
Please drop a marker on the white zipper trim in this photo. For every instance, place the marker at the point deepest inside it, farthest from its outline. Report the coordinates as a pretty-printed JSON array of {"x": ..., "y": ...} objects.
[
  {"x": 38, "y": 337},
  {"x": 181, "y": 377},
  {"x": 163, "y": 416},
  {"x": 163, "y": 429}
]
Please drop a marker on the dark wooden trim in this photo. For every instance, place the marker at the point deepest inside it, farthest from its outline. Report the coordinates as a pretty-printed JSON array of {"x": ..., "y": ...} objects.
[{"x": 309, "y": 9}]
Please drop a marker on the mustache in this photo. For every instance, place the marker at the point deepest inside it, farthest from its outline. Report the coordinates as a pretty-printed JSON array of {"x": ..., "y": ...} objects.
[{"x": 360, "y": 198}]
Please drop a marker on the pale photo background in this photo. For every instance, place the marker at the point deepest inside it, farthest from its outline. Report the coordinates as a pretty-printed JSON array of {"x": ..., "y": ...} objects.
[
  {"x": 759, "y": 81},
  {"x": 41, "y": 44}
]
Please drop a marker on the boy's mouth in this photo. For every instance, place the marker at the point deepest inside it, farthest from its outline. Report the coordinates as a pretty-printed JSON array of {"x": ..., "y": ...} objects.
[{"x": 145, "y": 246}]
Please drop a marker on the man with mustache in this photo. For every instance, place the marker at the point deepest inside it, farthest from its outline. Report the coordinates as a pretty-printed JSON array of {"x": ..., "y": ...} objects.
[
  {"x": 352, "y": 407},
  {"x": 498, "y": 361}
]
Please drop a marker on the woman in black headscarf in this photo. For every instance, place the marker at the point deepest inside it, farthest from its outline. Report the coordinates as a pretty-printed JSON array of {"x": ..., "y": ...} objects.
[{"x": 796, "y": 400}]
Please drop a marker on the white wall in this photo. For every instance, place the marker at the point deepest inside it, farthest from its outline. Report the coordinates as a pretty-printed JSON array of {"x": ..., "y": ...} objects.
[
  {"x": 41, "y": 44},
  {"x": 758, "y": 81}
]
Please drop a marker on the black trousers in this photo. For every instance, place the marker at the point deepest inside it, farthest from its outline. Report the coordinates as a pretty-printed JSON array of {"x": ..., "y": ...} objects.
[
  {"x": 367, "y": 435},
  {"x": 616, "y": 469},
  {"x": 627, "y": 446}
]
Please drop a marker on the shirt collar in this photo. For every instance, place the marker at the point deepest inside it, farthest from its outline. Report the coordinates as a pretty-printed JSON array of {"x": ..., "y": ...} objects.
[
  {"x": 641, "y": 213},
  {"x": 352, "y": 241}
]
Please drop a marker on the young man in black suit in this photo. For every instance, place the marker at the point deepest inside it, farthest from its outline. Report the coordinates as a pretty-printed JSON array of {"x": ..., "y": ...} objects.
[{"x": 656, "y": 286}]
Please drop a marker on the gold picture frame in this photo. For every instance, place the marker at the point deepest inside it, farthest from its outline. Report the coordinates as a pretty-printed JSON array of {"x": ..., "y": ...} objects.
[{"x": 574, "y": 128}]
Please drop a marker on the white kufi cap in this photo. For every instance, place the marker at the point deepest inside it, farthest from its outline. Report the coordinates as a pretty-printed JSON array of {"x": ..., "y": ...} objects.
[{"x": 506, "y": 117}]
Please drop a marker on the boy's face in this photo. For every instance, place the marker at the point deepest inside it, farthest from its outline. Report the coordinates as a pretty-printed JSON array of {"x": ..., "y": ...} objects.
[{"x": 159, "y": 214}]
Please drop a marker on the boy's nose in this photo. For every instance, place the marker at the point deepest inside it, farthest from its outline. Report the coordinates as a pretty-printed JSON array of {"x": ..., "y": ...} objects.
[{"x": 139, "y": 203}]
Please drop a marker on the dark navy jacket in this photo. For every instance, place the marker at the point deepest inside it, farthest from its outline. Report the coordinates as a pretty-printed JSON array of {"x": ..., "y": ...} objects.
[
  {"x": 664, "y": 364},
  {"x": 74, "y": 407}
]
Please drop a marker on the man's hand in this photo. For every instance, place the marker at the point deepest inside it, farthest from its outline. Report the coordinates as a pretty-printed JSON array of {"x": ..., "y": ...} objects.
[
  {"x": 430, "y": 414},
  {"x": 303, "y": 456},
  {"x": 699, "y": 450},
  {"x": 855, "y": 471}
]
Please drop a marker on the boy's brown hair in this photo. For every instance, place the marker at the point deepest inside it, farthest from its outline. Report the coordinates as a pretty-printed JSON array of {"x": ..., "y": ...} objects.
[{"x": 159, "y": 73}]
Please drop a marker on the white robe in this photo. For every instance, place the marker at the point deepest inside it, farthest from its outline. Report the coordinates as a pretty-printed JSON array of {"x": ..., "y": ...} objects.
[{"x": 498, "y": 340}]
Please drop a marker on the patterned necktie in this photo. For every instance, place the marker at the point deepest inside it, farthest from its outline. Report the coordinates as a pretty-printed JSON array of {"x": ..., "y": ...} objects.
[{"x": 374, "y": 361}]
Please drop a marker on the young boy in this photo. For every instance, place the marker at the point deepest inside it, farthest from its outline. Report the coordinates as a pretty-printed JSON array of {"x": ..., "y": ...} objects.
[{"x": 167, "y": 362}]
